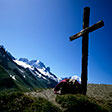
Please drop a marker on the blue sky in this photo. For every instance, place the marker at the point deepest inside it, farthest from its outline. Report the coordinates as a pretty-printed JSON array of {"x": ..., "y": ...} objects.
[{"x": 40, "y": 29}]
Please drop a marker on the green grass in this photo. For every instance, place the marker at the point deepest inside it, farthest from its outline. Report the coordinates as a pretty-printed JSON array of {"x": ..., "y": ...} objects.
[
  {"x": 19, "y": 102},
  {"x": 22, "y": 102},
  {"x": 42, "y": 105},
  {"x": 81, "y": 103}
]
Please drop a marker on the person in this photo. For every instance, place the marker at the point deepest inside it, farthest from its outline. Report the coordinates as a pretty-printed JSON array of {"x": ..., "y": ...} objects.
[
  {"x": 59, "y": 86},
  {"x": 68, "y": 86}
]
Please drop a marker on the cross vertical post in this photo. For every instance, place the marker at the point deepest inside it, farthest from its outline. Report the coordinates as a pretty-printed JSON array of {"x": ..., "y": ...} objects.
[
  {"x": 84, "y": 73},
  {"x": 84, "y": 33}
]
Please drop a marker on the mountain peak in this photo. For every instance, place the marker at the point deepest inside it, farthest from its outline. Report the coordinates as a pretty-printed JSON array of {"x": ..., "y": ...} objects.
[
  {"x": 37, "y": 68},
  {"x": 24, "y": 60},
  {"x": 76, "y": 77},
  {"x": 37, "y": 64},
  {"x": 38, "y": 61}
]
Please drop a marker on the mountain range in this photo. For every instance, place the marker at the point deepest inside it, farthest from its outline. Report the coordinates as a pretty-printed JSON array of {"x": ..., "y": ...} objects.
[{"x": 23, "y": 74}]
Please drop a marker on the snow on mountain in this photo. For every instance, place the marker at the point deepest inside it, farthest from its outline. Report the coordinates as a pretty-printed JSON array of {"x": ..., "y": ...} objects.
[
  {"x": 13, "y": 77},
  {"x": 76, "y": 77},
  {"x": 23, "y": 64},
  {"x": 41, "y": 68},
  {"x": 73, "y": 77},
  {"x": 43, "y": 71},
  {"x": 40, "y": 71},
  {"x": 37, "y": 64},
  {"x": 24, "y": 60},
  {"x": 47, "y": 74},
  {"x": 34, "y": 63}
]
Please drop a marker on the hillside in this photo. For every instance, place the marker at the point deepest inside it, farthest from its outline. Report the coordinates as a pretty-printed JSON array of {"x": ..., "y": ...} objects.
[
  {"x": 98, "y": 99},
  {"x": 5, "y": 80},
  {"x": 97, "y": 91}
]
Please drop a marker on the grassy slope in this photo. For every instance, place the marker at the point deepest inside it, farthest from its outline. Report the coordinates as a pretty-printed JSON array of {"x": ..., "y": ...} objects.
[
  {"x": 98, "y": 99},
  {"x": 19, "y": 102}
]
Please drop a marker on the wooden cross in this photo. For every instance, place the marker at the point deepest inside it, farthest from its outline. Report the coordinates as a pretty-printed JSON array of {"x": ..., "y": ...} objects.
[{"x": 84, "y": 33}]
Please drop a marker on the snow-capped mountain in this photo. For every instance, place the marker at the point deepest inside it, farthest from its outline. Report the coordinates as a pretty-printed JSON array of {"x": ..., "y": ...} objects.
[
  {"x": 76, "y": 77},
  {"x": 38, "y": 68},
  {"x": 33, "y": 63},
  {"x": 23, "y": 74}
]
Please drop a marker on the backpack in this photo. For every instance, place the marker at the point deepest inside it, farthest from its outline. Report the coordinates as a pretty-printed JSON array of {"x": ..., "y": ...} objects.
[{"x": 68, "y": 86}]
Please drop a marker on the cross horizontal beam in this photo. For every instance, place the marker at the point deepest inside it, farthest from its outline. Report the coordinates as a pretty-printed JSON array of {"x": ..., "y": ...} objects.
[{"x": 87, "y": 30}]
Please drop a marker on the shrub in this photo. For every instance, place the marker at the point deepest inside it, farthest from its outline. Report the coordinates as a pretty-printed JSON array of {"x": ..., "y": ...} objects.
[
  {"x": 42, "y": 105},
  {"x": 14, "y": 102},
  {"x": 79, "y": 103},
  {"x": 19, "y": 102}
]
